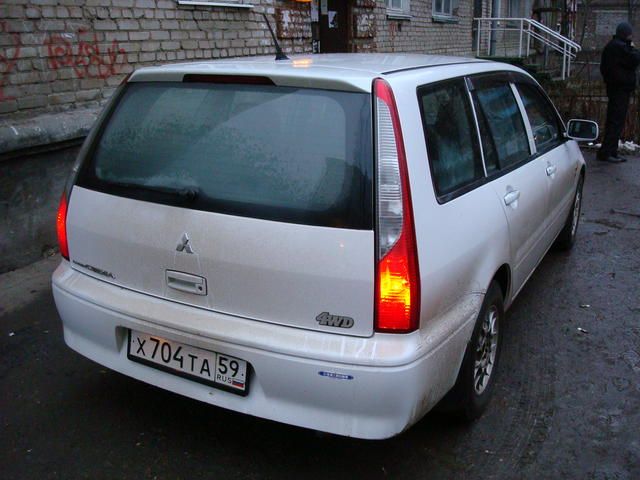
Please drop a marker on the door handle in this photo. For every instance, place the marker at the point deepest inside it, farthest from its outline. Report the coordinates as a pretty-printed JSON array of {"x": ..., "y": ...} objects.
[
  {"x": 551, "y": 170},
  {"x": 511, "y": 197},
  {"x": 185, "y": 282}
]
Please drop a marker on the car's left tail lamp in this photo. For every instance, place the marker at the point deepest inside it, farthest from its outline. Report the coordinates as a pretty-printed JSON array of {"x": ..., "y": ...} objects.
[{"x": 61, "y": 226}]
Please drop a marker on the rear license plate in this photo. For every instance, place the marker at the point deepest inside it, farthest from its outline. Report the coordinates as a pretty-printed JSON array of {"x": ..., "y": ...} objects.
[{"x": 204, "y": 366}]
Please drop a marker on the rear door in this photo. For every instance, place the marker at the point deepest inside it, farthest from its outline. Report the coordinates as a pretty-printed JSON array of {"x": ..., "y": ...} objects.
[
  {"x": 518, "y": 177},
  {"x": 247, "y": 199}
]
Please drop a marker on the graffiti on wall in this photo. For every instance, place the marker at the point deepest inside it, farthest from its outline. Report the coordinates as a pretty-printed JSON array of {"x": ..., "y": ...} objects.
[
  {"x": 85, "y": 56},
  {"x": 8, "y": 58}
]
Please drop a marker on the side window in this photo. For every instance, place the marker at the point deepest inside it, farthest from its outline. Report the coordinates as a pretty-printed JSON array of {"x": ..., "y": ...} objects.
[
  {"x": 450, "y": 135},
  {"x": 504, "y": 137},
  {"x": 542, "y": 117}
]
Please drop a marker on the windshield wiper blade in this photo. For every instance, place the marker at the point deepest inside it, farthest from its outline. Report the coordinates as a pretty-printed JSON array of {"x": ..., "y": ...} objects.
[{"x": 186, "y": 193}]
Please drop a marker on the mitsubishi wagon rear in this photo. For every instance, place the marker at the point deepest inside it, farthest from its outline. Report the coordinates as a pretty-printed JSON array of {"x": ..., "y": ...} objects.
[{"x": 329, "y": 241}]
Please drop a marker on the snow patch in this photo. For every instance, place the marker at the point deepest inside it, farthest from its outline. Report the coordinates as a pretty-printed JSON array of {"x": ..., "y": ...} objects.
[
  {"x": 628, "y": 147},
  {"x": 623, "y": 147}
]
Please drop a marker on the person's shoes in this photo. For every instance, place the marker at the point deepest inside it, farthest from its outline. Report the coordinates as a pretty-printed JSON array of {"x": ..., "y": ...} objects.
[
  {"x": 611, "y": 159},
  {"x": 620, "y": 157}
]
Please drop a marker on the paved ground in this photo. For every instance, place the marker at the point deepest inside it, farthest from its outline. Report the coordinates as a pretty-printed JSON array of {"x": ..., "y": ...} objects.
[{"x": 567, "y": 402}]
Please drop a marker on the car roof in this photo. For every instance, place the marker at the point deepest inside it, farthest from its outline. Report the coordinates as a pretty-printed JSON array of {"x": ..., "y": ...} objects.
[
  {"x": 373, "y": 63},
  {"x": 350, "y": 71}
]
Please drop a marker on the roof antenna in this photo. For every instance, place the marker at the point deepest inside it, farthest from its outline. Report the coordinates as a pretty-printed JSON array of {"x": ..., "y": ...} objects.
[{"x": 279, "y": 53}]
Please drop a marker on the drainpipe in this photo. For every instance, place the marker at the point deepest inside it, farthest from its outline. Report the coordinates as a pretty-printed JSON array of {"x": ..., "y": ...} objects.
[{"x": 495, "y": 13}]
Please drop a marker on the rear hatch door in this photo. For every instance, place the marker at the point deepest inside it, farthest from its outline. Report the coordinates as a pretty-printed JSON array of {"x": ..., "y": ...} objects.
[{"x": 251, "y": 200}]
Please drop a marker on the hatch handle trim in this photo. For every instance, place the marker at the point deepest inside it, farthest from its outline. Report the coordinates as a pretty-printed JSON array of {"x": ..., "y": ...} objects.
[{"x": 186, "y": 282}]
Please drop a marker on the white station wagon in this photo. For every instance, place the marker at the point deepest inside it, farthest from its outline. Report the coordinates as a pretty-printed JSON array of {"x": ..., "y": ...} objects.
[{"x": 329, "y": 241}]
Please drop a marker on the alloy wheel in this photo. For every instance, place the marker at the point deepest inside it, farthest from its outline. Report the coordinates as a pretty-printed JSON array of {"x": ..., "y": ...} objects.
[
  {"x": 486, "y": 350},
  {"x": 576, "y": 212}
]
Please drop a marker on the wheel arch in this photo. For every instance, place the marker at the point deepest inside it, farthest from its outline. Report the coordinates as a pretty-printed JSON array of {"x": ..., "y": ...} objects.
[{"x": 503, "y": 278}]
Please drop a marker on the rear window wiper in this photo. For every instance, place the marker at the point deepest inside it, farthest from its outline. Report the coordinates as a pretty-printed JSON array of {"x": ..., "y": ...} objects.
[{"x": 188, "y": 194}]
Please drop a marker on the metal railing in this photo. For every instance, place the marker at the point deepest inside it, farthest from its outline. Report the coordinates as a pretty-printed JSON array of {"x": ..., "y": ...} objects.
[{"x": 529, "y": 34}]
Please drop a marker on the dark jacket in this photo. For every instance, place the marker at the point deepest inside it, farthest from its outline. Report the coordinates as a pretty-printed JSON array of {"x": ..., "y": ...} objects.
[{"x": 619, "y": 63}]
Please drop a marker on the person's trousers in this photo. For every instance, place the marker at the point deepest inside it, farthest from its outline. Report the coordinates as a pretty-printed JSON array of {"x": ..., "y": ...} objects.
[{"x": 616, "y": 116}]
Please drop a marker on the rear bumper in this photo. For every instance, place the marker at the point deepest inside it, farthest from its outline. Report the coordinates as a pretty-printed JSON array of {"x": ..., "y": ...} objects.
[{"x": 396, "y": 378}]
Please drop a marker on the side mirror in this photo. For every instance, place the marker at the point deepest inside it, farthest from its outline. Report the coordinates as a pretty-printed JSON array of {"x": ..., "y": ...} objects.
[{"x": 582, "y": 130}]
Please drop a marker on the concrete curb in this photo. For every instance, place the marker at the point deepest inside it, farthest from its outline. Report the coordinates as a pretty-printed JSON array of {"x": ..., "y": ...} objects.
[{"x": 46, "y": 129}]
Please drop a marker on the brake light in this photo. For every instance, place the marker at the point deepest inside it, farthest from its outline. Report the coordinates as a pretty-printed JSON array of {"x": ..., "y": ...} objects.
[
  {"x": 397, "y": 274},
  {"x": 61, "y": 226},
  {"x": 227, "y": 79}
]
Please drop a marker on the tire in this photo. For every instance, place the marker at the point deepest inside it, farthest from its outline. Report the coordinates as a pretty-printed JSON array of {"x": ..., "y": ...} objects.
[
  {"x": 470, "y": 395},
  {"x": 567, "y": 236}
]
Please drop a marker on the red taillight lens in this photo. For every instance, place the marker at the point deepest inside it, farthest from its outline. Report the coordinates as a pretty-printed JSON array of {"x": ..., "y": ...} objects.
[
  {"x": 397, "y": 274},
  {"x": 61, "y": 226},
  {"x": 398, "y": 291}
]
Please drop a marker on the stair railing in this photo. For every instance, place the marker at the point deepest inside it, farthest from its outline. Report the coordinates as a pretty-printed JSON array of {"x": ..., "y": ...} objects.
[{"x": 528, "y": 31}]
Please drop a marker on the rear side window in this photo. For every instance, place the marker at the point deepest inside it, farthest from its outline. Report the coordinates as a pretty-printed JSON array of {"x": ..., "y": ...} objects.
[
  {"x": 278, "y": 153},
  {"x": 542, "y": 117},
  {"x": 504, "y": 138},
  {"x": 451, "y": 136}
]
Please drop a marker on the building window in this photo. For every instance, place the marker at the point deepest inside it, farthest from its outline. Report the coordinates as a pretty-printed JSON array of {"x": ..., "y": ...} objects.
[
  {"x": 398, "y": 8},
  {"x": 217, "y": 3},
  {"x": 442, "y": 7},
  {"x": 445, "y": 10}
]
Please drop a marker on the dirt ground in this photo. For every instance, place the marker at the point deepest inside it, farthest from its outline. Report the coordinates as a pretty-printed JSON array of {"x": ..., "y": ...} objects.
[{"x": 567, "y": 401}]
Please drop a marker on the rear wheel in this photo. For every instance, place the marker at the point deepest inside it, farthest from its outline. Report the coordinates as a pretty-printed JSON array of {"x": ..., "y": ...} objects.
[
  {"x": 474, "y": 386},
  {"x": 567, "y": 236}
]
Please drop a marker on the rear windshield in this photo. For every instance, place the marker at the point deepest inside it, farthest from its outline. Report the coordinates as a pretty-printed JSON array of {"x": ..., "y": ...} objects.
[{"x": 287, "y": 154}]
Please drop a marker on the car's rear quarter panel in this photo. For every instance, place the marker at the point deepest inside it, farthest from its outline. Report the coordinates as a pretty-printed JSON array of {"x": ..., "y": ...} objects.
[{"x": 461, "y": 243}]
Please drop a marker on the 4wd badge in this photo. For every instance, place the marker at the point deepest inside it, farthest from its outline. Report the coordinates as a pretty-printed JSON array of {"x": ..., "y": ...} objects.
[{"x": 325, "y": 318}]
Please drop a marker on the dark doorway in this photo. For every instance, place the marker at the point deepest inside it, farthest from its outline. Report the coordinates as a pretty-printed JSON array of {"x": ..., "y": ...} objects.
[
  {"x": 477, "y": 13},
  {"x": 334, "y": 26}
]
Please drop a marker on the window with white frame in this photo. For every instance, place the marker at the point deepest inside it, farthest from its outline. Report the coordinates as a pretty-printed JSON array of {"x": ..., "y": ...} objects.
[
  {"x": 398, "y": 7},
  {"x": 217, "y": 3}
]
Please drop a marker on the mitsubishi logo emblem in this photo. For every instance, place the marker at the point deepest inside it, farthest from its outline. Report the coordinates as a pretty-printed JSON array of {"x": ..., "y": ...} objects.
[{"x": 184, "y": 245}]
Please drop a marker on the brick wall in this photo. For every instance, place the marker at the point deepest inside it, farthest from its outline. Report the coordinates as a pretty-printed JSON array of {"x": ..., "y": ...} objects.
[
  {"x": 58, "y": 55},
  {"x": 421, "y": 34},
  {"x": 61, "y": 59},
  {"x": 596, "y": 23}
]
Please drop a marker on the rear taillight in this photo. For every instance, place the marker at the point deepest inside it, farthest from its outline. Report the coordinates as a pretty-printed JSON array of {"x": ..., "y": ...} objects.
[
  {"x": 397, "y": 275},
  {"x": 61, "y": 226}
]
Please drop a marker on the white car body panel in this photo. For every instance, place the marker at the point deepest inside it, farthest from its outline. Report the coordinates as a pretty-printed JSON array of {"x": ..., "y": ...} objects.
[
  {"x": 527, "y": 216},
  {"x": 327, "y": 71},
  {"x": 386, "y": 381},
  {"x": 461, "y": 241},
  {"x": 567, "y": 160},
  {"x": 262, "y": 270},
  {"x": 409, "y": 373}
]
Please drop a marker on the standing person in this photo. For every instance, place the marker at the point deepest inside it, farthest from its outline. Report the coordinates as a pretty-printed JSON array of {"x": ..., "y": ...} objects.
[{"x": 618, "y": 68}]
